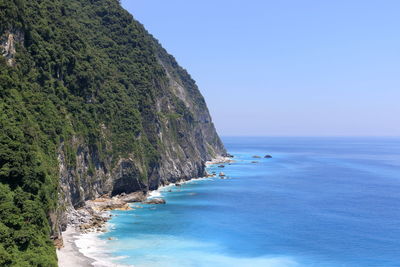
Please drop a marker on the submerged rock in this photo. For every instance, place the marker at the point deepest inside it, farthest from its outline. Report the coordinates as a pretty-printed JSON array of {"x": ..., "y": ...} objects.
[
  {"x": 256, "y": 157},
  {"x": 221, "y": 174},
  {"x": 267, "y": 156},
  {"x": 221, "y": 166}
]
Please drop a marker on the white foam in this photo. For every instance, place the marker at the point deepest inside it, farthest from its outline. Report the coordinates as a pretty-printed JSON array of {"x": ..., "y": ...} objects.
[
  {"x": 159, "y": 193},
  {"x": 93, "y": 247},
  {"x": 172, "y": 251},
  {"x": 155, "y": 193}
]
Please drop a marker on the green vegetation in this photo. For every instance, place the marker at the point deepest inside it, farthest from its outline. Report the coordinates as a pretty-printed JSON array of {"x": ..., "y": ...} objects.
[{"x": 83, "y": 65}]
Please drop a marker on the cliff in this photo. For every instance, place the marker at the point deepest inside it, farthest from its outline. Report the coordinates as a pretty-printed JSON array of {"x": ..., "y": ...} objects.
[{"x": 91, "y": 105}]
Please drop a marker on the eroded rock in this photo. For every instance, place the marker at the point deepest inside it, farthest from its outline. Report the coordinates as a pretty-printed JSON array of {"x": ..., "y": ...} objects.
[{"x": 155, "y": 201}]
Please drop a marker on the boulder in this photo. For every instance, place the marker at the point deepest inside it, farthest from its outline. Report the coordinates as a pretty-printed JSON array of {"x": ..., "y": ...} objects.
[
  {"x": 221, "y": 174},
  {"x": 105, "y": 204},
  {"x": 267, "y": 156},
  {"x": 133, "y": 197},
  {"x": 155, "y": 201},
  {"x": 221, "y": 166}
]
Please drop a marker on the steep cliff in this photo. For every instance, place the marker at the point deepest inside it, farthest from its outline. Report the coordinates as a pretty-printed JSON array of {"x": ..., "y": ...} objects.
[{"x": 91, "y": 104}]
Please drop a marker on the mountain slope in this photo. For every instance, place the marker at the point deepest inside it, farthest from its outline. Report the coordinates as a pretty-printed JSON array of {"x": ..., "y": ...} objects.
[{"x": 91, "y": 104}]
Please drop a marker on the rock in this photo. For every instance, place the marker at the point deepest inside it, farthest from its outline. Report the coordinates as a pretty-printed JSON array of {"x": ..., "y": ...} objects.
[
  {"x": 221, "y": 166},
  {"x": 178, "y": 184},
  {"x": 267, "y": 156},
  {"x": 133, "y": 197},
  {"x": 256, "y": 157},
  {"x": 155, "y": 201},
  {"x": 125, "y": 207},
  {"x": 221, "y": 174},
  {"x": 254, "y": 162},
  {"x": 106, "y": 204},
  {"x": 58, "y": 243}
]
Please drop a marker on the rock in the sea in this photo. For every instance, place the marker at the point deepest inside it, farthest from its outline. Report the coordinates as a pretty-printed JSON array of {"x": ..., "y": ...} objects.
[
  {"x": 254, "y": 162},
  {"x": 155, "y": 201},
  {"x": 178, "y": 184},
  {"x": 221, "y": 166},
  {"x": 267, "y": 156},
  {"x": 256, "y": 157},
  {"x": 221, "y": 174}
]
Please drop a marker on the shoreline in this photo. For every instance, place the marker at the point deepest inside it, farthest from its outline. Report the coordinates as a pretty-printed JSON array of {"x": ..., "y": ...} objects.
[
  {"x": 84, "y": 248},
  {"x": 69, "y": 254}
]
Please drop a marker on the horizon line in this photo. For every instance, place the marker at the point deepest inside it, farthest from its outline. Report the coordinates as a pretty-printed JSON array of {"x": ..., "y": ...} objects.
[{"x": 319, "y": 136}]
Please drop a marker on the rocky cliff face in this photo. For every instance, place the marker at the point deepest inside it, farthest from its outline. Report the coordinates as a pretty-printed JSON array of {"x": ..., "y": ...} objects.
[
  {"x": 186, "y": 143},
  {"x": 179, "y": 123}
]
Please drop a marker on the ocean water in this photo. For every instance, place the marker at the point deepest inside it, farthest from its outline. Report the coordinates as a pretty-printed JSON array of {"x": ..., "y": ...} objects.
[{"x": 317, "y": 202}]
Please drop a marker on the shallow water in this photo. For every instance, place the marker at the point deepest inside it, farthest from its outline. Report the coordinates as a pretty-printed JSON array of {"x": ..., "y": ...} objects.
[{"x": 317, "y": 202}]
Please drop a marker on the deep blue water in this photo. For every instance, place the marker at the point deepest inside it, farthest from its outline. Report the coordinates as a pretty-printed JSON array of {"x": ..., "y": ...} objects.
[{"x": 317, "y": 202}]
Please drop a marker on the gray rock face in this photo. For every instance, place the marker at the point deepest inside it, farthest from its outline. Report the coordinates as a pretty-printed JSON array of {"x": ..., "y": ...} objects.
[{"x": 8, "y": 44}]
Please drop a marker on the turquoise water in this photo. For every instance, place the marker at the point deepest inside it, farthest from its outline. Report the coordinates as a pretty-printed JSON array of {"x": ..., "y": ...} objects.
[{"x": 317, "y": 202}]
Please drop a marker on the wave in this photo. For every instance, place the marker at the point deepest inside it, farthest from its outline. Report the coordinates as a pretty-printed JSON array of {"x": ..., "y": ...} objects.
[
  {"x": 171, "y": 251},
  {"x": 93, "y": 247}
]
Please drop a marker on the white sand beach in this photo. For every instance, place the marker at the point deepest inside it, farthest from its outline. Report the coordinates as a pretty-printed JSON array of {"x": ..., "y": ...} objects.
[{"x": 69, "y": 255}]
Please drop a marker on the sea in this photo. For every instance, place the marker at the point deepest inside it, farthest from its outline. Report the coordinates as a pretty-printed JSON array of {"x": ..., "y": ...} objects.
[{"x": 318, "y": 201}]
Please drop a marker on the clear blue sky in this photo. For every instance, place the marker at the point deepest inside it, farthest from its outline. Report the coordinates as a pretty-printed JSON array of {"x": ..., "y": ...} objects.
[{"x": 301, "y": 68}]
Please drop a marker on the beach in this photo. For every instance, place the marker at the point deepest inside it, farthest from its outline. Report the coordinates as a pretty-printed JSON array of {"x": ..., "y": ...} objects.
[{"x": 69, "y": 255}]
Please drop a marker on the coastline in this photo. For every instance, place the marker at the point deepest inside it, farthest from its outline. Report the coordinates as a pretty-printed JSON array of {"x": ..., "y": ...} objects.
[
  {"x": 69, "y": 254},
  {"x": 84, "y": 249}
]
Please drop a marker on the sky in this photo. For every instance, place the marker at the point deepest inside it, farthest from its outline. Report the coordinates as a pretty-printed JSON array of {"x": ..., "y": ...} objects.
[{"x": 287, "y": 67}]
